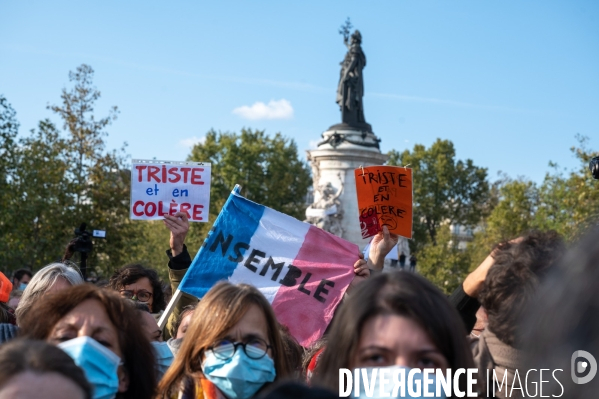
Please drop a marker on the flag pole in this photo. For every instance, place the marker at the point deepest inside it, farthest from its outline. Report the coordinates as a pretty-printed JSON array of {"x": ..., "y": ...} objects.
[
  {"x": 177, "y": 295},
  {"x": 169, "y": 309}
]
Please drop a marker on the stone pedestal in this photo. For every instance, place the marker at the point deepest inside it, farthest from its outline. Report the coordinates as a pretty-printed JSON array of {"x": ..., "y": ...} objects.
[{"x": 335, "y": 208}]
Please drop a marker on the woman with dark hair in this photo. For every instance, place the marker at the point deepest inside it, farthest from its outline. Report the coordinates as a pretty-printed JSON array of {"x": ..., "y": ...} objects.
[
  {"x": 233, "y": 347},
  {"x": 28, "y": 368},
  {"x": 140, "y": 284},
  {"x": 102, "y": 333},
  {"x": 394, "y": 319}
]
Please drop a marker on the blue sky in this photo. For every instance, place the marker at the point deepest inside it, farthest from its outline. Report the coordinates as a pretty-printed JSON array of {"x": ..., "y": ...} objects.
[{"x": 509, "y": 82}]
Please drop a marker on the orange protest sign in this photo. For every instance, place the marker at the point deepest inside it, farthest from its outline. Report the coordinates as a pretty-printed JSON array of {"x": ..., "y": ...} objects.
[{"x": 385, "y": 192}]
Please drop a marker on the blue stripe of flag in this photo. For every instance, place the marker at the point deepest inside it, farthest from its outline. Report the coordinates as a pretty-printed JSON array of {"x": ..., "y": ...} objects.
[{"x": 237, "y": 221}]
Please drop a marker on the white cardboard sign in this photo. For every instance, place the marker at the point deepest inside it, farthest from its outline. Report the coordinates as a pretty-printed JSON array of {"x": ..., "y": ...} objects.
[{"x": 161, "y": 188}]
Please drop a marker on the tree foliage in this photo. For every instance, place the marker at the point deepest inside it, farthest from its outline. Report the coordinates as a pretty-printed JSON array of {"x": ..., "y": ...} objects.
[
  {"x": 446, "y": 190},
  {"x": 566, "y": 201},
  {"x": 9, "y": 128},
  {"x": 444, "y": 264},
  {"x": 569, "y": 200},
  {"x": 268, "y": 169},
  {"x": 60, "y": 179}
]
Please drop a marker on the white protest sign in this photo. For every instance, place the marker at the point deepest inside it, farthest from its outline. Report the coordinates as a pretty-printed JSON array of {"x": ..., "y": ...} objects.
[{"x": 161, "y": 188}]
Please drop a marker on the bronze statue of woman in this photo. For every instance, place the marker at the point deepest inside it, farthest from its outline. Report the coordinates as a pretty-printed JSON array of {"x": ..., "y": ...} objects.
[{"x": 351, "y": 83}]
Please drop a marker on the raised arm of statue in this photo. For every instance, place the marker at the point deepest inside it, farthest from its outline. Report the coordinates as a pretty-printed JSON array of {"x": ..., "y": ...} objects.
[{"x": 340, "y": 190}]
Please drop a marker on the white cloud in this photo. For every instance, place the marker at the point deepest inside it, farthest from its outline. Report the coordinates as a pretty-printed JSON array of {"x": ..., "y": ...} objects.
[
  {"x": 280, "y": 109},
  {"x": 191, "y": 141}
]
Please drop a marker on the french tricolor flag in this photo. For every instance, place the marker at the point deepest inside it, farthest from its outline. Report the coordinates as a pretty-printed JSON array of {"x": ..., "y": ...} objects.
[{"x": 302, "y": 270}]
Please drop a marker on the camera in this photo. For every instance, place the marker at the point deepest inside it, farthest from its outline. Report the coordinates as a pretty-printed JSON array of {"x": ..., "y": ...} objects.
[
  {"x": 83, "y": 244},
  {"x": 594, "y": 167}
]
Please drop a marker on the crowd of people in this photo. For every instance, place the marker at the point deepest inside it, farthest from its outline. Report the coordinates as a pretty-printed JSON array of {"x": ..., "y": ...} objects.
[{"x": 530, "y": 305}]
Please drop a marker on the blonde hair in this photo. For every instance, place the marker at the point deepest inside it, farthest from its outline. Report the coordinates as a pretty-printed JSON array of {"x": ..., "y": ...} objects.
[
  {"x": 42, "y": 281},
  {"x": 219, "y": 311}
]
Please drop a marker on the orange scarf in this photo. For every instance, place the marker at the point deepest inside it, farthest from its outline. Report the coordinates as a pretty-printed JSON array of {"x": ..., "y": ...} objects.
[{"x": 202, "y": 389}]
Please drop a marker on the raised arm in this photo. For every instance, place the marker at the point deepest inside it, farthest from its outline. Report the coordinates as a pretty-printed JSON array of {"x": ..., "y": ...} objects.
[
  {"x": 179, "y": 262},
  {"x": 382, "y": 243}
]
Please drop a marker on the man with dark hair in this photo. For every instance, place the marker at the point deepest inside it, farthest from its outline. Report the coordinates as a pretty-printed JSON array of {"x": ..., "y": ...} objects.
[
  {"x": 504, "y": 284},
  {"x": 20, "y": 279}
]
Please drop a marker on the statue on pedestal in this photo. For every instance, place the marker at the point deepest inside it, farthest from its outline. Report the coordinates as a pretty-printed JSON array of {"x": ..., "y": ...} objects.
[
  {"x": 326, "y": 212},
  {"x": 350, "y": 90},
  {"x": 351, "y": 82}
]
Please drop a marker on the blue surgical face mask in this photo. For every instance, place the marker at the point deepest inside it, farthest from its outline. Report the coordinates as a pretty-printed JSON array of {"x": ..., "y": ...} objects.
[
  {"x": 22, "y": 286},
  {"x": 238, "y": 377},
  {"x": 99, "y": 363},
  {"x": 413, "y": 387},
  {"x": 164, "y": 357}
]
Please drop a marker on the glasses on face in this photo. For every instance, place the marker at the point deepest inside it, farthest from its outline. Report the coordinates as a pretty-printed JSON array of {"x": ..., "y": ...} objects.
[
  {"x": 254, "y": 348},
  {"x": 141, "y": 296}
]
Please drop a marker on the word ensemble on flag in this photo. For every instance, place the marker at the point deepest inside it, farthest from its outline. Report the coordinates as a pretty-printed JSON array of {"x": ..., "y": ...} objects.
[{"x": 302, "y": 270}]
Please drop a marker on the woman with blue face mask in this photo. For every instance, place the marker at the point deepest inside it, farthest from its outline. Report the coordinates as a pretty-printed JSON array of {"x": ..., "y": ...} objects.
[
  {"x": 232, "y": 348},
  {"x": 394, "y": 320},
  {"x": 103, "y": 335}
]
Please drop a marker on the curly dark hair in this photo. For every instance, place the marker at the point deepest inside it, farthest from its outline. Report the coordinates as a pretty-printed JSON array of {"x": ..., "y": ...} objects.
[
  {"x": 130, "y": 274},
  {"x": 513, "y": 279}
]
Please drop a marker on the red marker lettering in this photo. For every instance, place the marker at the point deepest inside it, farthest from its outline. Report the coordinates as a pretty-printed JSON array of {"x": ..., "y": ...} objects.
[
  {"x": 172, "y": 208},
  {"x": 196, "y": 178},
  {"x": 151, "y": 206},
  {"x": 173, "y": 172},
  {"x": 184, "y": 208},
  {"x": 160, "y": 209},
  {"x": 197, "y": 212},
  {"x": 185, "y": 174},
  {"x": 138, "y": 203},
  {"x": 140, "y": 174},
  {"x": 152, "y": 172}
]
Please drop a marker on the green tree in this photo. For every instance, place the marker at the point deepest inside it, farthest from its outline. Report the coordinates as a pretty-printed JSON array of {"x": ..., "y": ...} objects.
[
  {"x": 444, "y": 264},
  {"x": 446, "y": 190},
  {"x": 566, "y": 201},
  {"x": 513, "y": 215},
  {"x": 152, "y": 240},
  {"x": 86, "y": 134},
  {"x": 61, "y": 179},
  {"x": 99, "y": 180},
  {"x": 9, "y": 128},
  {"x": 569, "y": 200},
  {"x": 267, "y": 168}
]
